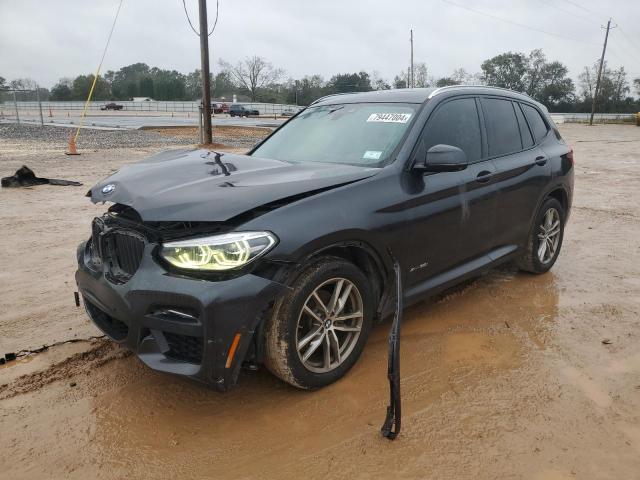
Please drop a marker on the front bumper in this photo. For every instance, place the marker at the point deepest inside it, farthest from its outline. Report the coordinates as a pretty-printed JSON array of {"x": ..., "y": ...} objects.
[{"x": 177, "y": 324}]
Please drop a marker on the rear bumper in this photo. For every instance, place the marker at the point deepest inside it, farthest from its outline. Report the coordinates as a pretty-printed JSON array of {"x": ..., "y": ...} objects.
[{"x": 176, "y": 324}]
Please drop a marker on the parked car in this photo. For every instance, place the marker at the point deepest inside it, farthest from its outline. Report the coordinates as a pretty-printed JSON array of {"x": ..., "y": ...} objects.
[
  {"x": 288, "y": 113},
  {"x": 284, "y": 257},
  {"x": 241, "y": 111},
  {"x": 219, "y": 108},
  {"x": 111, "y": 106}
]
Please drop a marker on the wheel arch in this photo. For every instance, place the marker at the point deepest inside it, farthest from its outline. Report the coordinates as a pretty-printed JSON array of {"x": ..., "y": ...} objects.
[
  {"x": 560, "y": 194},
  {"x": 363, "y": 256}
]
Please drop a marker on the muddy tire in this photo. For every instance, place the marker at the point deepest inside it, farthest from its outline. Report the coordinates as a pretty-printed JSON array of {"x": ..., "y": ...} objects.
[
  {"x": 317, "y": 331},
  {"x": 545, "y": 239}
]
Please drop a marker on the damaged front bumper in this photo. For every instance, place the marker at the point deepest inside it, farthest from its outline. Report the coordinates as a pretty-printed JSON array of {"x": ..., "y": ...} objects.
[{"x": 196, "y": 328}]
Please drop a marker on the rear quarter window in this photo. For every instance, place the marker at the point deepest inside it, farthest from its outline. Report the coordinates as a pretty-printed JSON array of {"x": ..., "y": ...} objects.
[
  {"x": 503, "y": 133},
  {"x": 525, "y": 133},
  {"x": 538, "y": 126}
]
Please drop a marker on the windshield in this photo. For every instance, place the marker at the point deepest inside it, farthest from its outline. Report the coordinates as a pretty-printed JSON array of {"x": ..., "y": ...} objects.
[{"x": 363, "y": 134}]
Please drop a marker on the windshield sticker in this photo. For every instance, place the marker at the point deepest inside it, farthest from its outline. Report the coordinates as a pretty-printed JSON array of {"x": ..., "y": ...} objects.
[
  {"x": 372, "y": 155},
  {"x": 389, "y": 117}
]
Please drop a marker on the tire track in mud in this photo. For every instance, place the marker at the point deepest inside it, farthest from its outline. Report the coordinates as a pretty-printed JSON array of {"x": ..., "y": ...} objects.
[{"x": 99, "y": 353}]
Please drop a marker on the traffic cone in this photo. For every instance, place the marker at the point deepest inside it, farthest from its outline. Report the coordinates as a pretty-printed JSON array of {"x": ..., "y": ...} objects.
[{"x": 72, "y": 146}]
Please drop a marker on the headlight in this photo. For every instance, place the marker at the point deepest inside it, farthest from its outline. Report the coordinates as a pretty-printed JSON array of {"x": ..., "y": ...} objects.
[{"x": 219, "y": 252}]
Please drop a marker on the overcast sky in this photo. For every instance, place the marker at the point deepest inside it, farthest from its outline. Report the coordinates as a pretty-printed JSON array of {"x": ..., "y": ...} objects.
[{"x": 47, "y": 40}]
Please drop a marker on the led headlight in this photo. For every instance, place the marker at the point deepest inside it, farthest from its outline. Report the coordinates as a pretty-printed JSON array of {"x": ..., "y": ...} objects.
[{"x": 218, "y": 252}]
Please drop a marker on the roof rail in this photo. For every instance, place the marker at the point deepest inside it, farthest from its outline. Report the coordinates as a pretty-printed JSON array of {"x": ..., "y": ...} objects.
[
  {"x": 331, "y": 95},
  {"x": 450, "y": 87}
]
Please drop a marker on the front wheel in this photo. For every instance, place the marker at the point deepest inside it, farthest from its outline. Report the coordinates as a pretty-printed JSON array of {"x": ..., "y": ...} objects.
[
  {"x": 317, "y": 331},
  {"x": 545, "y": 240}
]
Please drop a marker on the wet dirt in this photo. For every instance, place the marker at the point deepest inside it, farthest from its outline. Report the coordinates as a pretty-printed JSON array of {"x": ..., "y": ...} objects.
[{"x": 504, "y": 377}]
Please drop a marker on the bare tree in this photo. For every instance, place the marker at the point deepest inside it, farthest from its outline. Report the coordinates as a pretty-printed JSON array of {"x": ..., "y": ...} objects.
[
  {"x": 24, "y": 84},
  {"x": 377, "y": 82},
  {"x": 252, "y": 74},
  {"x": 461, "y": 77},
  {"x": 421, "y": 73}
]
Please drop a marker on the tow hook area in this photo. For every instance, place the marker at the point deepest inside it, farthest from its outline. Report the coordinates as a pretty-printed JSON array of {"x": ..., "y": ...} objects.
[{"x": 391, "y": 426}]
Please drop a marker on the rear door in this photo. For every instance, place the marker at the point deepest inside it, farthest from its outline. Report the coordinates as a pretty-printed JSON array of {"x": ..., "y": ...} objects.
[{"x": 522, "y": 167}]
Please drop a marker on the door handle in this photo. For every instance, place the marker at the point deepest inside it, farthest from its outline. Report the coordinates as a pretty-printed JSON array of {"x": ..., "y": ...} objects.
[
  {"x": 541, "y": 160},
  {"x": 484, "y": 176}
]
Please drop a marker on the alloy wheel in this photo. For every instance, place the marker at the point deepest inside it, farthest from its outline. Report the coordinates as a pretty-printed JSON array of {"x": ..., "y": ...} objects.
[
  {"x": 329, "y": 325},
  {"x": 549, "y": 236}
]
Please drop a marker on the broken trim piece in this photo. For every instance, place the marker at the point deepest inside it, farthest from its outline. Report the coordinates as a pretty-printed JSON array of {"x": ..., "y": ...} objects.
[{"x": 391, "y": 427}]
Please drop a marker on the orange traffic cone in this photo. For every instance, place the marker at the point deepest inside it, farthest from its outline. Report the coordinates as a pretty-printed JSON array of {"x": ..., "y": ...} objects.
[{"x": 72, "y": 146}]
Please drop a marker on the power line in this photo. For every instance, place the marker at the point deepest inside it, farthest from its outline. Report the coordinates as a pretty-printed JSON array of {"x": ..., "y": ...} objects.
[
  {"x": 184, "y": 5},
  {"x": 518, "y": 24},
  {"x": 582, "y": 7},
  {"x": 626, "y": 54},
  {"x": 628, "y": 38},
  {"x": 573, "y": 14}
]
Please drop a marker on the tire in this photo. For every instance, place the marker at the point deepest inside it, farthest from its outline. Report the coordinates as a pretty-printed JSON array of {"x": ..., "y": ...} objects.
[
  {"x": 538, "y": 259},
  {"x": 290, "y": 324}
]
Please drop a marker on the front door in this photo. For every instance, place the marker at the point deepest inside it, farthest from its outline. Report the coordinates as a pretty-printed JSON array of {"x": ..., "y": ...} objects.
[{"x": 448, "y": 212}]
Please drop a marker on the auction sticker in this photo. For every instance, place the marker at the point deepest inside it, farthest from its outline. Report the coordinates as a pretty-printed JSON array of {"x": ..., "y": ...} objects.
[
  {"x": 372, "y": 155},
  {"x": 389, "y": 117}
]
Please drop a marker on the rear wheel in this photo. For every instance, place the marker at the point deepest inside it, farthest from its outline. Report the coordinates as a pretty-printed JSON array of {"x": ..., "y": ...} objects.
[
  {"x": 545, "y": 239},
  {"x": 318, "y": 330}
]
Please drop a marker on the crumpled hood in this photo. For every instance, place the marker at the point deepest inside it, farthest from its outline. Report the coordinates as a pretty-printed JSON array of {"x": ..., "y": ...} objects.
[{"x": 190, "y": 185}]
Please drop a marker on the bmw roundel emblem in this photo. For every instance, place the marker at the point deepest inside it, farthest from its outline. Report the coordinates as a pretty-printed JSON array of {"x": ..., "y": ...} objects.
[{"x": 109, "y": 188}]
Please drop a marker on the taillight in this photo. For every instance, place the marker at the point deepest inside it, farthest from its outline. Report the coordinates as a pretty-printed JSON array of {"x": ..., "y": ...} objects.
[{"x": 570, "y": 156}]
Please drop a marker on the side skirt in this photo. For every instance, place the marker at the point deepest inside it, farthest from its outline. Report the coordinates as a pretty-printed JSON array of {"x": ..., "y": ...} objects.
[{"x": 434, "y": 285}]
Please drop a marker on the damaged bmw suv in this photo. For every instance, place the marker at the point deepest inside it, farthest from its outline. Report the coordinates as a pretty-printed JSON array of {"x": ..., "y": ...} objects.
[{"x": 284, "y": 257}]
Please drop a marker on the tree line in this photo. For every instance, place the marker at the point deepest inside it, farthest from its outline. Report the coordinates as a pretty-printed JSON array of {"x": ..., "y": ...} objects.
[{"x": 256, "y": 79}]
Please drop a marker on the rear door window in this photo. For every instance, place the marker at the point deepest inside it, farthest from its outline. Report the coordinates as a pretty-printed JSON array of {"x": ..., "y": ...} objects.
[
  {"x": 455, "y": 123},
  {"x": 536, "y": 122},
  {"x": 503, "y": 133},
  {"x": 525, "y": 133}
]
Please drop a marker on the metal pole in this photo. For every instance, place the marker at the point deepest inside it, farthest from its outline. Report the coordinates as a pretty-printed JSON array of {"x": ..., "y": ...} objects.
[
  {"x": 15, "y": 102},
  {"x": 200, "y": 124},
  {"x": 595, "y": 95},
  {"x": 204, "y": 61},
  {"x": 413, "y": 83},
  {"x": 39, "y": 105}
]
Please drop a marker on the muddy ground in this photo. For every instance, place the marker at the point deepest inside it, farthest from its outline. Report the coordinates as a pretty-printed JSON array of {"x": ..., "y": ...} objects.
[{"x": 511, "y": 376}]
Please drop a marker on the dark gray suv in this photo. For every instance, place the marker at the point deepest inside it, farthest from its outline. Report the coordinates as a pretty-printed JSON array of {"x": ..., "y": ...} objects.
[{"x": 284, "y": 257}]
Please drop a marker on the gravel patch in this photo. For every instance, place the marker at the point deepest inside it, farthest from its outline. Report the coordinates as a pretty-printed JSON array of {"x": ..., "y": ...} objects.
[
  {"x": 55, "y": 136},
  {"x": 89, "y": 138}
]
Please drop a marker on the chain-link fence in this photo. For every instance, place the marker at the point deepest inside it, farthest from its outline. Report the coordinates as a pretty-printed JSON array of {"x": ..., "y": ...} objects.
[
  {"x": 145, "y": 106},
  {"x": 11, "y": 100}
]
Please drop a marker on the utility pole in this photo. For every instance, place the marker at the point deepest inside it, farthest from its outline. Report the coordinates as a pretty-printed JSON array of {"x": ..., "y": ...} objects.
[
  {"x": 39, "y": 105},
  {"x": 412, "y": 82},
  {"x": 204, "y": 70},
  {"x": 15, "y": 103},
  {"x": 595, "y": 95}
]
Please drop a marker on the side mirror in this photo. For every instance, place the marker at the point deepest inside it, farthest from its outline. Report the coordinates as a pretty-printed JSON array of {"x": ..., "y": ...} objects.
[{"x": 443, "y": 158}]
